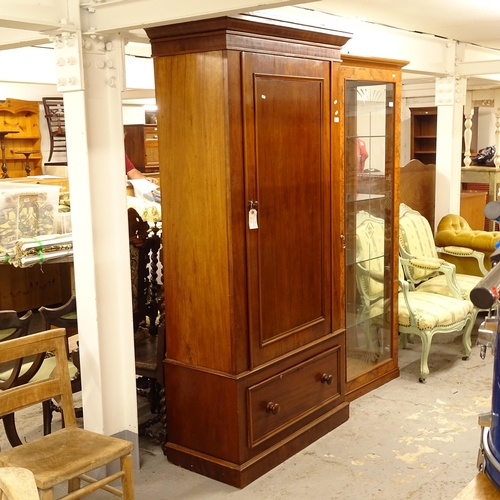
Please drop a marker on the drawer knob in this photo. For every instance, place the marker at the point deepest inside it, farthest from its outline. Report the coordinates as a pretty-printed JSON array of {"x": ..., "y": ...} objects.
[
  {"x": 326, "y": 379},
  {"x": 273, "y": 408}
]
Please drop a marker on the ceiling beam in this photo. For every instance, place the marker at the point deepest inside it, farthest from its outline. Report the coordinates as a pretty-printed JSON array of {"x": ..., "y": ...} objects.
[
  {"x": 102, "y": 17},
  {"x": 14, "y": 38},
  {"x": 33, "y": 16}
]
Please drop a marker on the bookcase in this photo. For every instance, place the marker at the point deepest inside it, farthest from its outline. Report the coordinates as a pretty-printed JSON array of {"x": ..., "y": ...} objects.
[{"x": 423, "y": 134}]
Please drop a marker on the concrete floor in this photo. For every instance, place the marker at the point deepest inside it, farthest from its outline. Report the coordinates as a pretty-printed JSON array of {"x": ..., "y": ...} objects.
[{"x": 405, "y": 440}]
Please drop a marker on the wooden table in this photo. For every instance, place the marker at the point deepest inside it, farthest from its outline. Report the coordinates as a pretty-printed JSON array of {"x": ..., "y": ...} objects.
[{"x": 480, "y": 488}]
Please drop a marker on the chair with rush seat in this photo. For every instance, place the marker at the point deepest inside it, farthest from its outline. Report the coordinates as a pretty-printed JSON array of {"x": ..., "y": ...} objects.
[{"x": 69, "y": 454}]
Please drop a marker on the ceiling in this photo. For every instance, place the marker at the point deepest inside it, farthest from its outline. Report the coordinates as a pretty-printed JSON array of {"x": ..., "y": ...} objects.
[{"x": 473, "y": 21}]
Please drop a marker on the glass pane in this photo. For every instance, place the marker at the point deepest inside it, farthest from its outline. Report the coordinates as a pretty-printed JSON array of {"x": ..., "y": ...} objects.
[{"x": 369, "y": 179}]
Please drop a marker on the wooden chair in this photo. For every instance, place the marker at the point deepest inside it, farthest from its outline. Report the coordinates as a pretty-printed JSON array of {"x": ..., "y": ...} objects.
[
  {"x": 26, "y": 370},
  {"x": 13, "y": 327},
  {"x": 65, "y": 317},
  {"x": 54, "y": 114},
  {"x": 69, "y": 454}
]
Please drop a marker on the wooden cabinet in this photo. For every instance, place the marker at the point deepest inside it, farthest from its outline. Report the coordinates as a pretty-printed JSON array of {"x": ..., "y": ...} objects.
[
  {"x": 371, "y": 96},
  {"x": 255, "y": 367},
  {"x": 141, "y": 146},
  {"x": 423, "y": 134},
  {"x": 21, "y": 119}
]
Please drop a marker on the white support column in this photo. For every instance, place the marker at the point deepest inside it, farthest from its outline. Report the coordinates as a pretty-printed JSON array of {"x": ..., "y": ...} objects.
[
  {"x": 94, "y": 133},
  {"x": 450, "y": 100}
]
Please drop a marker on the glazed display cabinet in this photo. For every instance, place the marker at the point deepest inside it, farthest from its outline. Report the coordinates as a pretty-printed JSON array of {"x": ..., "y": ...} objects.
[{"x": 371, "y": 96}]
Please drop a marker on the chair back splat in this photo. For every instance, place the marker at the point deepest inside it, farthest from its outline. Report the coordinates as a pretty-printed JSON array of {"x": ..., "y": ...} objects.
[{"x": 69, "y": 454}]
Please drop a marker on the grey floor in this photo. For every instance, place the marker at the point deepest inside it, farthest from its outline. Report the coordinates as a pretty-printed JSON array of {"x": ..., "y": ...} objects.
[{"x": 404, "y": 440}]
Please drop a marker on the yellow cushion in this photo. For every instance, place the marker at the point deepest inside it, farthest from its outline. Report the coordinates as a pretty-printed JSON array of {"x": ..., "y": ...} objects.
[{"x": 433, "y": 310}]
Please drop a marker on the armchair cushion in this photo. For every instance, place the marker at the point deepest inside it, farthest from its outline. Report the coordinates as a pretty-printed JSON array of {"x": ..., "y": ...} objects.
[
  {"x": 453, "y": 230},
  {"x": 433, "y": 310},
  {"x": 440, "y": 286}
]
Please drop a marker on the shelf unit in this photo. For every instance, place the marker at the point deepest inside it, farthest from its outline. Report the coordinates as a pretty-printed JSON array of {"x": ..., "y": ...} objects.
[
  {"x": 423, "y": 134},
  {"x": 21, "y": 117}
]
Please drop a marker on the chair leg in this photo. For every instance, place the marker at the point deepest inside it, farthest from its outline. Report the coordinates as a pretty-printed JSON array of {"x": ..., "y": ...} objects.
[
  {"x": 47, "y": 494},
  {"x": 9, "y": 424},
  {"x": 128, "y": 478},
  {"x": 73, "y": 484},
  {"x": 47, "y": 417}
]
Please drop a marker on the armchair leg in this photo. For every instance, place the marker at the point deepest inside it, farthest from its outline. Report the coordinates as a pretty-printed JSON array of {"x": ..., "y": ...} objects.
[
  {"x": 426, "y": 347},
  {"x": 466, "y": 337}
]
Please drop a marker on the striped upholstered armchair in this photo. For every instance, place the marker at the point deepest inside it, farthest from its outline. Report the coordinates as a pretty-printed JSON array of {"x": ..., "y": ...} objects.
[
  {"x": 423, "y": 267},
  {"x": 420, "y": 313}
]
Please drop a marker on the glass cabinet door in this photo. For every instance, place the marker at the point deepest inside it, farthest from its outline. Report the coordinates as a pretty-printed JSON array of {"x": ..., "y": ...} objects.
[{"x": 369, "y": 207}]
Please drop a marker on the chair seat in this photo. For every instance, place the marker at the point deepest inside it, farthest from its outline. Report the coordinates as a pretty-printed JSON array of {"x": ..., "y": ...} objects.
[
  {"x": 439, "y": 286},
  {"x": 78, "y": 452},
  {"x": 44, "y": 372},
  {"x": 434, "y": 310}
]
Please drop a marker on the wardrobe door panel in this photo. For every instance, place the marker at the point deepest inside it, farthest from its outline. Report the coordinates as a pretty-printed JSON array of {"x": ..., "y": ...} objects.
[{"x": 288, "y": 179}]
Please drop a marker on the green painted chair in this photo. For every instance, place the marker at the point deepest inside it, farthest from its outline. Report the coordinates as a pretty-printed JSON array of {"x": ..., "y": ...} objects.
[
  {"x": 427, "y": 314},
  {"x": 422, "y": 266},
  {"x": 419, "y": 313}
]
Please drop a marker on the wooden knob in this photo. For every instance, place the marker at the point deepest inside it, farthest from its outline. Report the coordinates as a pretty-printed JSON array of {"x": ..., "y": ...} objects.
[
  {"x": 273, "y": 408},
  {"x": 326, "y": 379}
]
